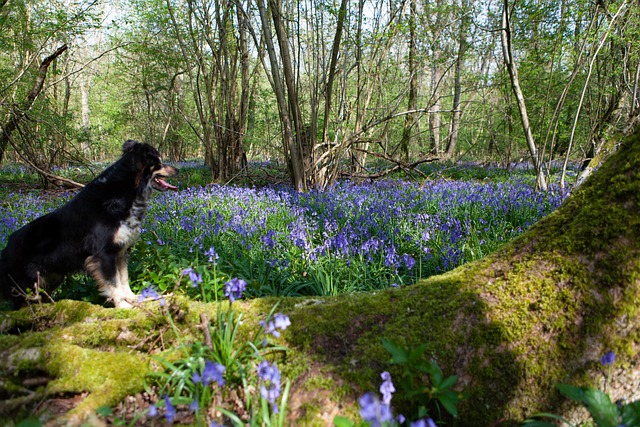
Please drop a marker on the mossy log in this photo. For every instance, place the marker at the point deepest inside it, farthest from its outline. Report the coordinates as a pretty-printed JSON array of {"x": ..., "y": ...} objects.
[{"x": 539, "y": 311}]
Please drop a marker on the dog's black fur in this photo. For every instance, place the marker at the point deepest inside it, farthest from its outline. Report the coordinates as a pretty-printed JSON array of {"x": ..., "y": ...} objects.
[{"x": 92, "y": 231}]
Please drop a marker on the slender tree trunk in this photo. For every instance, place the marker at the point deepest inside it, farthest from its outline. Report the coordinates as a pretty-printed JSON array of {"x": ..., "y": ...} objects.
[
  {"x": 605, "y": 36},
  {"x": 85, "y": 112},
  {"x": 457, "y": 85},
  {"x": 342, "y": 14},
  {"x": 517, "y": 90},
  {"x": 292, "y": 151},
  {"x": 297, "y": 141},
  {"x": 457, "y": 112},
  {"x": 434, "y": 116},
  {"x": 410, "y": 120}
]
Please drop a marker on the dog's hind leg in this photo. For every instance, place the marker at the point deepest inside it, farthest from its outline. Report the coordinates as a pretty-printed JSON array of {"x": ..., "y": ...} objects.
[{"x": 111, "y": 275}]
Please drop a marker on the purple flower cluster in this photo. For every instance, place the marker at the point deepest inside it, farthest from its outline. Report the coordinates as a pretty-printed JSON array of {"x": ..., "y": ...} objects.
[
  {"x": 399, "y": 225},
  {"x": 608, "y": 358},
  {"x": 212, "y": 372},
  {"x": 270, "y": 378},
  {"x": 389, "y": 231},
  {"x": 234, "y": 288},
  {"x": 378, "y": 412},
  {"x": 280, "y": 322},
  {"x": 194, "y": 276},
  {"x": 152, "y": 294}
]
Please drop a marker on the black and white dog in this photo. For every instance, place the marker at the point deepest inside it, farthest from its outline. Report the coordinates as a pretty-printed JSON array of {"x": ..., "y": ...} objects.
[{"x": 92, "y": 232}]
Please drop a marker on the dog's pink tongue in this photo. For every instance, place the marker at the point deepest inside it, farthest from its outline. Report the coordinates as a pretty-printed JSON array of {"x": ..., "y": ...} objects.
[{"x": 166, "y": 185}]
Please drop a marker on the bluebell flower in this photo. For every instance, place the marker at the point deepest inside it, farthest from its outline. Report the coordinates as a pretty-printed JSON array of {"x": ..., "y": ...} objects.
[
  {"x": 150, "y": 293},
  {"x": 213, "y": 372},
  {"x": 270, "y": 376},
  {"x": 153, "y": 411},
  {"x": 170, "y": 413},
  {"x": 195, "y": 278},
  {"x": 281, "y": 321},
  {"x": 387, "y": 388},
  {"x": 212, "y": 254},
  {"x": 234, "y": 288},
  {"x": 269, "y": 372},
  {"x": 409, "y": 261},
  {"x": 373, "y": 411},
  {"x": 608, "y": 359},
  {"x": 268, "y": 239}
]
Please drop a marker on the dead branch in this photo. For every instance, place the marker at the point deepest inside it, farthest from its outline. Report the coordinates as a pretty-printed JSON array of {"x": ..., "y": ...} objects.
[
  {"x": 48, "y": 175},
  {"x": 400, "y": 165}
]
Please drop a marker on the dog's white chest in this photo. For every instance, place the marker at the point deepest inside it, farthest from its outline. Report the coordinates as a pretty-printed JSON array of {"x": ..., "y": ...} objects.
[
  {"x": 129, "y": 230},
  {"x": 127, "y": 233}
]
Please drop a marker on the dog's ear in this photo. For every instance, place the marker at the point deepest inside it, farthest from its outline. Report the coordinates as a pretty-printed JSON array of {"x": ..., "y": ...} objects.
[{"x": 128, "y": 146}]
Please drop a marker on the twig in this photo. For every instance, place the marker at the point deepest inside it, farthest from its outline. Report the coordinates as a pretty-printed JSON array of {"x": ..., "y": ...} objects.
[
  {"x": 205, "y": 330},
  {"x": 399, "y": 165}
]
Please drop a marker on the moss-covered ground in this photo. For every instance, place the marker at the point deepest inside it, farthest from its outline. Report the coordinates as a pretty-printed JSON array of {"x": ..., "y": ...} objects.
[{"x": 541, "y": 310}]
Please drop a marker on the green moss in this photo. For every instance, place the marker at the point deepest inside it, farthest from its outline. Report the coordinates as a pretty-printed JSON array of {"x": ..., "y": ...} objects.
[{"x": 108, "y": 376}]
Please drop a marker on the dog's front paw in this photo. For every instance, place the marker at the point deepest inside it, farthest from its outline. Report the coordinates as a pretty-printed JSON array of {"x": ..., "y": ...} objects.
[{"x": 124, "y": 303}]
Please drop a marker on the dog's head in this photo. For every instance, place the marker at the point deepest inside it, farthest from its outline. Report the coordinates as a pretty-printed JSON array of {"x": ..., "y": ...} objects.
[{"x": 151, "y": 169}]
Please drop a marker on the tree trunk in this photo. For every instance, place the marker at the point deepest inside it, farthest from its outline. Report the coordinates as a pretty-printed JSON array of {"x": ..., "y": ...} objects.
[
  {"x": 452, "y": 141},
  {"x": 517, "y": 91},
  {"x": 434, "y": 116},
  {"x": 410, "y": 120},
  {"x": 288, "y": 107},
  {"x": 86, "y": 123}
]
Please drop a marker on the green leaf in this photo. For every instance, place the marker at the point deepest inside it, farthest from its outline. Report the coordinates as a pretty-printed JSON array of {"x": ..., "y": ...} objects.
[
  {"x": 30, "y": 422},
  {"x": 631, "y": 414},
  {"x": 540, "y": 423},
  {"x": 436, "y": 374},
  {"x": 572, "y": 392},
  {"x": 599, "y": 405},
  {"x": 448, "y": 382},
  {"x": 398, "y": 354},
  {"x": 339, "y": 421},
  {"x": 449, "y": 403},
  {"x": 104, "y": 411}
]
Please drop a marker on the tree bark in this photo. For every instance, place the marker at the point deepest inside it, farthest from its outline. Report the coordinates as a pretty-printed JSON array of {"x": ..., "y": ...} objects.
[
  {"x": 517, "y": 91},
  {"x": 410, "y": 120},
  {"x": 434, "y": 116},
  {"x": 288, "y": 107},
  {"x": 452, "y": 140}
]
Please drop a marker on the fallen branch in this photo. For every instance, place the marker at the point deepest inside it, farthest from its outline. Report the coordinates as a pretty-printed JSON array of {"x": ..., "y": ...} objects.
[
  {"x": 400, "y": 165},
  {"x": 48, "y": 175}
]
